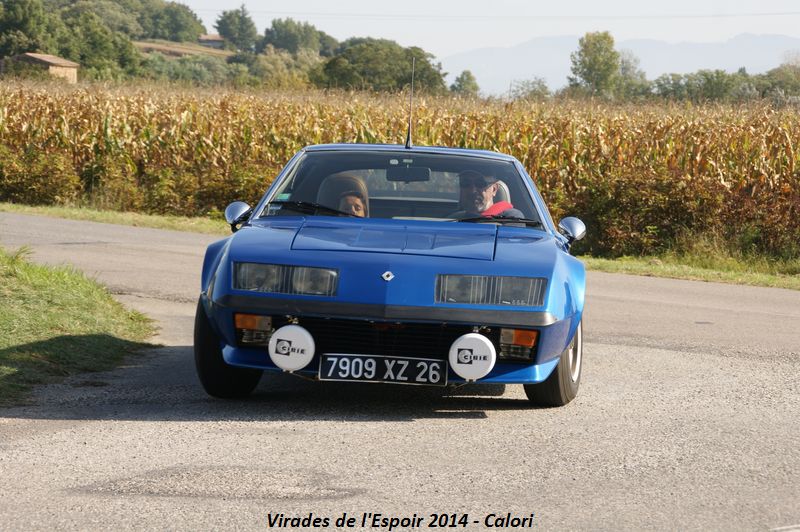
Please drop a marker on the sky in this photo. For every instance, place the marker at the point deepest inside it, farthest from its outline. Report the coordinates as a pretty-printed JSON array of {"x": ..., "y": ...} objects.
[{"x": 448, "y": 27}]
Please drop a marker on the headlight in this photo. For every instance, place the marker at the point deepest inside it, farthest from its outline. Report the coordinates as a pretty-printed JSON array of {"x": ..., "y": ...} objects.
[
  {"x": 282, "y": 279},
  {"x": 316, "y": 281},
  {"x": 490, "y": 290},
  {"x": 258, "y": 277}
]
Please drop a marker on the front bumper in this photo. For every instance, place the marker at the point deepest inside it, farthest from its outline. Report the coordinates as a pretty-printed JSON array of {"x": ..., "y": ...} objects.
[
  {"x": 502, "y": 373},
  {"x": 551, "y": 341}
]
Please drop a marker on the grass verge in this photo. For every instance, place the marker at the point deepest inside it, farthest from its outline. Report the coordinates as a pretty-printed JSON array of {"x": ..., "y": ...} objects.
[
  {"x": 177, "y": 223},
  {"x": 56, "y": 322},
  {"x": 684, "y": 268},
  {"x": 706, "y": 261}
]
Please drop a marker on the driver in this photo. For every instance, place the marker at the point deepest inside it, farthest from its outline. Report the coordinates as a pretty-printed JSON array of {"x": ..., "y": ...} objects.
[
  {"x": 352, "y": 202},
  {"x": 477, "y": 193}
]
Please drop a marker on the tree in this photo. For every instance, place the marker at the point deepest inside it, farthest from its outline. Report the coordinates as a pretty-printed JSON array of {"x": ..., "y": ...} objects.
[
  {"x": 670, "y": 86},
  {"x": 707, "y": 85},
  {"x": 153, "y": 19},
  {"x": 238, "y": 28},
  {"x": 427, "y": 76},
  {"x": 279, "y": 69},
  {"x": 465, "y": 85},
  {"x": 288, "y": 34},
  {"x": 529, "y": 89},
  {"x": 102, "y": 53},
  {"x": 785, "y": 78},
  {"x": 194, "y": 69},
  {"x": 380, "y": 65},
  {"x": 24, "y": 28},
  {"x": 712, "y": 85},
  {"x": 115, "y": 16},
  {"x": 176, "y": 22},
  {"x": 595, "y": 64},
  {"x": 327, "y": 45},
  {"x": 631, "y": 81}
]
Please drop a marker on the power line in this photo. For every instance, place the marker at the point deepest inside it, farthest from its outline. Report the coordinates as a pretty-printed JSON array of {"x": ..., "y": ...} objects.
[{"x": 407, "y": 16}]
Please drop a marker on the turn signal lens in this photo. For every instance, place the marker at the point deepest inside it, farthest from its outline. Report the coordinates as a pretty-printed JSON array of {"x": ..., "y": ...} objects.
[
  {"x": 253, "y": 322},
  {"x": 517, "y": 344},
  {"x": 252, "y": 329},
  {"x": 521, "y": 337}
]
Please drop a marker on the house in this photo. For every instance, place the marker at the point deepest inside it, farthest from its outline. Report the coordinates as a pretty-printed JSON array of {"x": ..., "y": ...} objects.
[
  {"x": 212, "y": 41},
  {"x": 55, "y": 66}
]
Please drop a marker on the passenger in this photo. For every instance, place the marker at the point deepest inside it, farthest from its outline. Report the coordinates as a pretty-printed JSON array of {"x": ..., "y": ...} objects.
[
  {"x": 477, "y": 197},
  {"x": 352, "y": 202}
]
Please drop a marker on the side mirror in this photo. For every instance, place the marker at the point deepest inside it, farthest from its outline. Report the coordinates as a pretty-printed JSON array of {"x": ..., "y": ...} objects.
[
  {"x": 573, "y": 228},
  {"x": 235, "y": 213}
]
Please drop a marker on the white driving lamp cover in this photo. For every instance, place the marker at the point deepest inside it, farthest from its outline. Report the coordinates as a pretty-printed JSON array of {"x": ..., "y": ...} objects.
[
  {"x": 472, "y": 356},
  {"x": 291, "y": 348}
]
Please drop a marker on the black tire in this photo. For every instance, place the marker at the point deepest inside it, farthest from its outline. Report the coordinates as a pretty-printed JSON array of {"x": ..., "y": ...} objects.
[
  {"x": 218, "y": 378},
  {"x": 562, "y": 385}
]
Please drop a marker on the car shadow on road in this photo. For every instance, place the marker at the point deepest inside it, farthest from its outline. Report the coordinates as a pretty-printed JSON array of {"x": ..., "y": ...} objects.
[{"x": 161, "y": 384}]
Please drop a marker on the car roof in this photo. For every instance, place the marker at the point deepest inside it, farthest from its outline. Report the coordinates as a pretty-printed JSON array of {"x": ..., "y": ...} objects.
[{"x": 414, "y": 149}]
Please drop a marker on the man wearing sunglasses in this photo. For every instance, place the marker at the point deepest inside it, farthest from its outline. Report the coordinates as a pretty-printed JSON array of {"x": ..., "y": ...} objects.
[{"x": 477, "y": 194}]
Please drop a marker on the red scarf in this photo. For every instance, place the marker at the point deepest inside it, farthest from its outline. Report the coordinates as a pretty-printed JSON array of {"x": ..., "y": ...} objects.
[{"x": 497, "y": 208}]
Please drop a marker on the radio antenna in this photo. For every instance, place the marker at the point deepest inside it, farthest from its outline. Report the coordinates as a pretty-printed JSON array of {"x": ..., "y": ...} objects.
[{"x": 411, "y": 104}]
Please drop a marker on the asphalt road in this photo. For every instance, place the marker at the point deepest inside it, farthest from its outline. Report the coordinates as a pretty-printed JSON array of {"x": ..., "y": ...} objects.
[{"x": 688, "y": 418}]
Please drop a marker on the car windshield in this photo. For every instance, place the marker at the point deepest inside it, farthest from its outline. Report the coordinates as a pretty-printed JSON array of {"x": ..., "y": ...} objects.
[{"x": 403, "y": 185}]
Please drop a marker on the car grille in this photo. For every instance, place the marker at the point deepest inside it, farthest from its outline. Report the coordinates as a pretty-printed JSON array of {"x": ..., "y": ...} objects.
[{"x": 413, "y": 340}]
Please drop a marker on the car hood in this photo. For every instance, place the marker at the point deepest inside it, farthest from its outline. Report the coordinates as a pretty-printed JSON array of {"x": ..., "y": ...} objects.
[
  {"x": 441, "y": 240},
  {"x": 321, "y": 239}
]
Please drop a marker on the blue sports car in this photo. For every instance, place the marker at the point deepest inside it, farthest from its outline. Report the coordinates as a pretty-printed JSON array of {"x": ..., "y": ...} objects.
[{"x": 381, "y": 263}]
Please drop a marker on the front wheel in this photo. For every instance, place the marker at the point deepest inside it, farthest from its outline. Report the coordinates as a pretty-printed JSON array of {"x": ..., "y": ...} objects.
[
  {"x": 218, "y": 378},
  {"x": 561, "y": 386}
]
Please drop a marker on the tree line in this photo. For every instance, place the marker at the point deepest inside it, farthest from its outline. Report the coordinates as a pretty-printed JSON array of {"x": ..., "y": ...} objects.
[
  {"x": 99, "y": 34},
  {"x": 599, "y": 70}
]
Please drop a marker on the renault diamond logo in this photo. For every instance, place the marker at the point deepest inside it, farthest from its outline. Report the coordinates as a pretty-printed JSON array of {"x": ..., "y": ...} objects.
[{"x": 387, "y": 276}]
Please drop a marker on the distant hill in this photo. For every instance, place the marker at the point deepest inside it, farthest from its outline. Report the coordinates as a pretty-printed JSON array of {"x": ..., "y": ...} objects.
[{"x": 548, "y": 58}]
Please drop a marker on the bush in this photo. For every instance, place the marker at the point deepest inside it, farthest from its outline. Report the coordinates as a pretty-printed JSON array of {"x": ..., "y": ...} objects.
[
  {"x": 110, "y": 183},
  {"x": 242, "y": 183},
  {"x": 37, "y": 178},
  {"x": 170, "y": 191}
]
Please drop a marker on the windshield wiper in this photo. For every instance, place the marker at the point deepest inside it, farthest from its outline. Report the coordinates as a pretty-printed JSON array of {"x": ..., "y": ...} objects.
[
  {"x": 309, "y": 207},
  {"x": 503, "y": 220}
]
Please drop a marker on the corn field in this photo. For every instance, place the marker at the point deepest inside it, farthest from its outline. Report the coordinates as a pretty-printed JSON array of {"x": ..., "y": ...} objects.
[{"x": 641, "y": 177}]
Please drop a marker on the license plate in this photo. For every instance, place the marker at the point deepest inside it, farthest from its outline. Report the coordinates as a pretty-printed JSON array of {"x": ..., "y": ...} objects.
[{"x": 373, "y": 368}]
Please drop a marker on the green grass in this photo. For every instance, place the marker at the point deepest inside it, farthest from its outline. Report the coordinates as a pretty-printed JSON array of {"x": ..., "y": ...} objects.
[
  {"x": 704, "y": 261},
  {"x": 176, "y": 223},
  {"x": 673, "y": 268},
  {"x": 707, "y": 259},
  {"x": 56, "y": 322}
]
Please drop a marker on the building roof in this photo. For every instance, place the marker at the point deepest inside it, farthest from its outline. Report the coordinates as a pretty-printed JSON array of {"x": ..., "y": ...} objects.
[
  {"x": 49, "y": 59},
  {"x": 211, "y": 37}
]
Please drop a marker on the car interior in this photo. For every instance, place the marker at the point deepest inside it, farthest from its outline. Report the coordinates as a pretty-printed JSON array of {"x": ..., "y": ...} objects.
[{"x": 429, "y": 190}]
